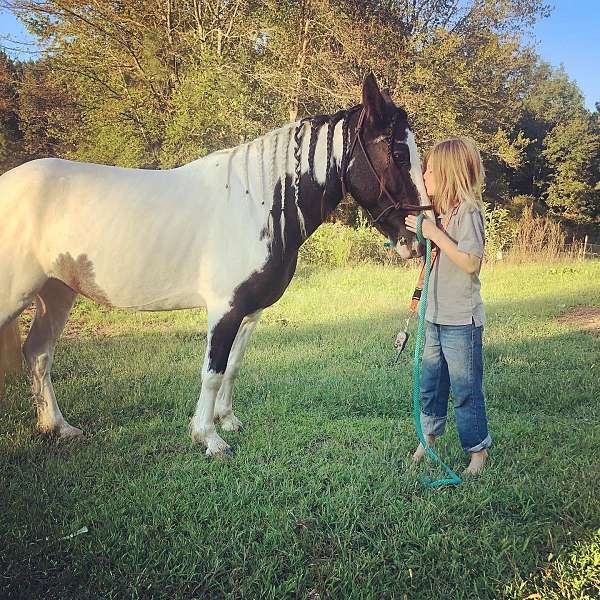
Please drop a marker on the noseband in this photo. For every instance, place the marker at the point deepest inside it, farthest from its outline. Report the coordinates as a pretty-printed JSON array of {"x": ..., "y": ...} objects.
[{"x": 383, "y": 191}]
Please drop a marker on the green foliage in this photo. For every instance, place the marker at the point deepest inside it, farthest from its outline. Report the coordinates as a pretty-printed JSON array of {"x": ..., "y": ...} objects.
[
  {"x": 560, "y": 169},
  {"x": 3, "y": 145},
  {"x": 337, "y": 245},
  {"x": 330, "y": 245},
  {"x": 11, "y": 143},
  {"x": 159, "y": 84},
  {"x": 555, "y": 97},
  {"x": 499, "y": 230},
  {"x": 511, "y": 152},
  {"x": 213, "y": 108},
  {"x": 115, "y": 143},
  {"x": 368, "y": 244},
  {"x": 570, "y": 148}
]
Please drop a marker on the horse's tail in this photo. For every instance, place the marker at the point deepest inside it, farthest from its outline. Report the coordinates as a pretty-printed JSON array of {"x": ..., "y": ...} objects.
[{"x": 10, "y": 352}]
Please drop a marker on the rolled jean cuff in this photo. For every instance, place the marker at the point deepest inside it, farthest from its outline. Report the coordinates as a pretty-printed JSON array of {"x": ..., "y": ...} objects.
[
  {"x": 485, "y": 444},
  {"x": 433, "y": 425}
]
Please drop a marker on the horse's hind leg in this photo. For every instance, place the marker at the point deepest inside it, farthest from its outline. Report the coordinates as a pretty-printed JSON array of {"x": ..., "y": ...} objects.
[
  {"x": 53, "y": 304},
  {"x": 224, "y": 403},
  {"x": 18, "y": 284}
]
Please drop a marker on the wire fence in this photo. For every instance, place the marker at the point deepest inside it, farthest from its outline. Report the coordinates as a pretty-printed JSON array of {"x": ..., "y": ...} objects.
[
  {"x": 548, "y": 246},
  {"x": 582, "y": 249}
]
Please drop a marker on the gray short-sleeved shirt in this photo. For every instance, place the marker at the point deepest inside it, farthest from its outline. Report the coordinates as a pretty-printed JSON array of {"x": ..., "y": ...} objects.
[{"x": 454, "y": 297}]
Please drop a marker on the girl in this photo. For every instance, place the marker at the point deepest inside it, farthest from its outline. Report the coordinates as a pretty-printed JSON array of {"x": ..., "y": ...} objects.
[{"x": 452, "y": 356}]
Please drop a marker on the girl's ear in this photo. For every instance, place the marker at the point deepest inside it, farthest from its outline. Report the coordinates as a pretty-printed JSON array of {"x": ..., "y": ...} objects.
[{"x": 373, "y": 101}]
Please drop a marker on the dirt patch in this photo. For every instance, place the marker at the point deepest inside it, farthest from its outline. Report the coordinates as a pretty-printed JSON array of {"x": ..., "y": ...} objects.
[{"x": 584, "y": 318}]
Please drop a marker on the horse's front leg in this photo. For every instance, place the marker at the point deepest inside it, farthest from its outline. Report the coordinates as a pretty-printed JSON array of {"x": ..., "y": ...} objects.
[
  {"x": 224, "y": 403},
  {"x": 221, "y": 334}
]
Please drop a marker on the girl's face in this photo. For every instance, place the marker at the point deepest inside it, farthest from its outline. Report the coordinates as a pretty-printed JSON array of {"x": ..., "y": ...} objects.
[{"x": 429, "y": 179}]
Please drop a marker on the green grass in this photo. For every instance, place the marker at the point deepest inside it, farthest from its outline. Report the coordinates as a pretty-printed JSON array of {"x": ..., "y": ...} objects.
[{"x": 319, "y": 500}]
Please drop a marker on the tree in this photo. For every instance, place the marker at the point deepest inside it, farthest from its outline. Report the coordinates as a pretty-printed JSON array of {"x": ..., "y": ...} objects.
[
  {"x": 10, "y": 132},
  {"x": 161, "y": 83},
  {"x": 559, "y": 167},
  {"x": 48, "y": 115}
]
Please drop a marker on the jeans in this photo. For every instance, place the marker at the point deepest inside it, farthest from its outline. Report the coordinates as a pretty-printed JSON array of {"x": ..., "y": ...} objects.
[{"x": 453, "y": 359}]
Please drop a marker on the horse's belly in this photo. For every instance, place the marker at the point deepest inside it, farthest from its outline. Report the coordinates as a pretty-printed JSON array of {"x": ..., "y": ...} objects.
[
  {"x": 145, "y": 267},
  {"x": 127, "y": 279},
  {"x": 124, "y": 250}
]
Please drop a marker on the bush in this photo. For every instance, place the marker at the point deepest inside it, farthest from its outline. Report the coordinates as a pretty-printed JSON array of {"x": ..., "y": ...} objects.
[
  {"x": 328, "y": 245},
  {"x": 530, "y": 237},
  {"x": 499, "y": 231},
  {"x": 335, "y": 245}
]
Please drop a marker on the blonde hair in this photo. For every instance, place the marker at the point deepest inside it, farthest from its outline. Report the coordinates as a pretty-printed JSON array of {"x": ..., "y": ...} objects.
[{"x": 458, "y": 173}]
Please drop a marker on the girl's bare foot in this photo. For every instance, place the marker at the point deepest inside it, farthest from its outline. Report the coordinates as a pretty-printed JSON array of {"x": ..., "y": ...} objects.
[
  {"x": 477, "y": 462},
  {"x": 420, "y": 451}
]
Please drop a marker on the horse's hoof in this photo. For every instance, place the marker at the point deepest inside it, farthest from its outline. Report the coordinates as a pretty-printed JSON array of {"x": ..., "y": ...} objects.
[
  {"x": 216, "y": 446},
  {"x": 231, "y": 423},
  {"x": 228, "y": 452},
  {"x": 68, "y": 432},
  {"x": 63, "y": 431}
]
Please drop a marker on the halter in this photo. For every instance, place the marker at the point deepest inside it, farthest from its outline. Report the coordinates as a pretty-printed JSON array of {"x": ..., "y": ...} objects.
[{"x": 394, "y": 205}]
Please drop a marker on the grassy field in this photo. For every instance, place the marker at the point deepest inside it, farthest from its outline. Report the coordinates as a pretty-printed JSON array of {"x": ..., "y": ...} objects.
[{"x": 319, "y": 500}]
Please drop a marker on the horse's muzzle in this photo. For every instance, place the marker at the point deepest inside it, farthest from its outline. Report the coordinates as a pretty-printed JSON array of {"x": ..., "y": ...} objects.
[{"x": 411, "y": 249}]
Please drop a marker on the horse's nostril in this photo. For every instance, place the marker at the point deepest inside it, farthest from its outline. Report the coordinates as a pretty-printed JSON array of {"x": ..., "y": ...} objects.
[{"x": 418, "y": 249}]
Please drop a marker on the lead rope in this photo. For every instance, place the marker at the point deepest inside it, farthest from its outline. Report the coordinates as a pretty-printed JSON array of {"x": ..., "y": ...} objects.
[{"x": 453, "y": 478}]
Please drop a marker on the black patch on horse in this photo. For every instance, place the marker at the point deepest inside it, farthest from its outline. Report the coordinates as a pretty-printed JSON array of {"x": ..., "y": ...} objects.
[{"x": 316, "y": 201}]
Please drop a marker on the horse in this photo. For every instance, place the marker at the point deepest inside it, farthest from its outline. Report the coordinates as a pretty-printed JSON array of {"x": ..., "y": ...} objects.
[{"x": 222, "y": 232}]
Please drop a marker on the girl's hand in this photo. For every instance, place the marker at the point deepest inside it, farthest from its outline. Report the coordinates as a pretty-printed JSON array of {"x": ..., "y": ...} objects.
[{"x": 428, "y": 227}]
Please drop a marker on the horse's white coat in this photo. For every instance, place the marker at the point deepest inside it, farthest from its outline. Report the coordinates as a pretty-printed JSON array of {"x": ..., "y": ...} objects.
[
  {"x": 416, "y": 174},
  {"x": 156, "y": 239}
]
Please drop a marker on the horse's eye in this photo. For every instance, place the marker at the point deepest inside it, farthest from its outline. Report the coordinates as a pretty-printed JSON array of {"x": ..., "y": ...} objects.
[
  {"x": 400, "y": 153},
  {"x": 401, "y": 157}
]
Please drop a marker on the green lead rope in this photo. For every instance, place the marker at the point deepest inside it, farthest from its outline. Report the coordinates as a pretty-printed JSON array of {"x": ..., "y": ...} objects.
[{"x": 453, "y": 478}]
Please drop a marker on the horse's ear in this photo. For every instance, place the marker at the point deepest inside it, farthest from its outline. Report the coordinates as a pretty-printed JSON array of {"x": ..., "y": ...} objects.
[
  {"x": 385, "y": 92},
  {"x": 373, "y": 101}
]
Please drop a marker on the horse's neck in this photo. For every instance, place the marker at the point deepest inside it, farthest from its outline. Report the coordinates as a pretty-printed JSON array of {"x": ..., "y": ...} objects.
[
  {"x": 321, "y": 164},
  {"x": 291, "y": 176}
]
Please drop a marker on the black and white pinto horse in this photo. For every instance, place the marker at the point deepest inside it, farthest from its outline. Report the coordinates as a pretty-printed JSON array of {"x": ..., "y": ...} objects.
[{"x": 222, "y": 232}]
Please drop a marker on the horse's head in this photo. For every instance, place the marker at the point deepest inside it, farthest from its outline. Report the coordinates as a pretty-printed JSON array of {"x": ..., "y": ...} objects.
[{"x": 383, "y": 171}]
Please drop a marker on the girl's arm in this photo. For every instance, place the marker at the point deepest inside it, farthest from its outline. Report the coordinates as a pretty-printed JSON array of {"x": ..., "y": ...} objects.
[{"x": 467, "y": 262}]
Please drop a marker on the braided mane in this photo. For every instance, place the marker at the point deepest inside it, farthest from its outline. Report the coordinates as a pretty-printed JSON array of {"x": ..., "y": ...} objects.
[
  {"x": 271, "y": 157},
  {"x": 316, "y": 122}
]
